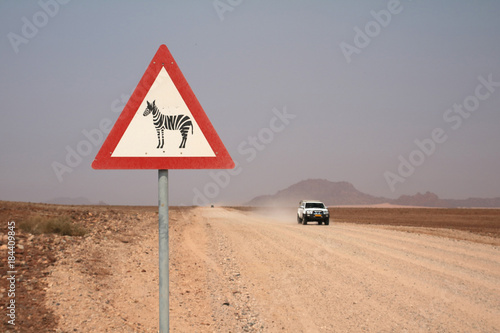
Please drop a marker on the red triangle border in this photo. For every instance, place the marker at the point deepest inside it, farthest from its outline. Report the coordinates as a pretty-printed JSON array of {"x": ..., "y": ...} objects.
[{"x": 162, "y": 58}]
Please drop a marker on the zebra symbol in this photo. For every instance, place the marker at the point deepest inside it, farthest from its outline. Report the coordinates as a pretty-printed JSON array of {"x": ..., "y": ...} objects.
[{"x": 165, "y": 122}]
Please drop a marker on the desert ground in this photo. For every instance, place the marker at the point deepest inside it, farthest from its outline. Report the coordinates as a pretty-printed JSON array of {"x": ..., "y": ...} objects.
[{"x": 256, "y": 270}]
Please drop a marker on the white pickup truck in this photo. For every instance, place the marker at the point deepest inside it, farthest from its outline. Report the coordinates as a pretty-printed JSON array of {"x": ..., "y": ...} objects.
[{"x": 313, "y": 210}]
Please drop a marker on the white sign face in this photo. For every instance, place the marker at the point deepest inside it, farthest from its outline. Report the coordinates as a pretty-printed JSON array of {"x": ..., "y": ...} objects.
[{"x": 163, "y": 126}]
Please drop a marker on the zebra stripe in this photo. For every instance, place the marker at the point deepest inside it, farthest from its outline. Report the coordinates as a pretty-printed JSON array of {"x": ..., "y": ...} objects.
[{"x": 169, "y": 122}]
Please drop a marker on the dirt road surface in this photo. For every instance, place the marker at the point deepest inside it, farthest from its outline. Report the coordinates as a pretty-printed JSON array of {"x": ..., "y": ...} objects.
[{"x": 236, "y": 271}]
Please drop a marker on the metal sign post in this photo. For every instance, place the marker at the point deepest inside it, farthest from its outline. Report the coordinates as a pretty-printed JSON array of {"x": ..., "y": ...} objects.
[
  {"x": 132, "y": 143},
  {"x": 163, "y": 249}
]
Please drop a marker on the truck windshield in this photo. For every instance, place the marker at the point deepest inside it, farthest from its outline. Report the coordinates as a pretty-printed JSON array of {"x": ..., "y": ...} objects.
[{"x": 314, "y": 205}]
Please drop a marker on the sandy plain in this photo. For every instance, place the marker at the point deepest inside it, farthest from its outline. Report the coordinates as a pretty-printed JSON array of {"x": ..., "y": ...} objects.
[{"x": 247, "y": 270}]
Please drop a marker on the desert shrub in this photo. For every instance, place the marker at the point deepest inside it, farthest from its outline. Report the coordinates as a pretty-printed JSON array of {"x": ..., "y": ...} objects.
[{"x": 61, "y": 225}]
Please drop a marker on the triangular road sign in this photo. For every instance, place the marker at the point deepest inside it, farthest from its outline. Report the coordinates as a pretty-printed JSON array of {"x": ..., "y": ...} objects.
[{"x": 163, "y": 126}]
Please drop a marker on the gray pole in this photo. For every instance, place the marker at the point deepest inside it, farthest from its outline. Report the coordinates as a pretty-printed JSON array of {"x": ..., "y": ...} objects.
[{"x": 163, "y": 248}]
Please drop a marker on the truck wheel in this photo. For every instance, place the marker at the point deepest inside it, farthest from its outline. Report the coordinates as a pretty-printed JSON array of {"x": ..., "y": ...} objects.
[
  {"x": 304, "y": 220},
  {"x": 298, "y": 219},
  {"x": 327, "y": 222}
]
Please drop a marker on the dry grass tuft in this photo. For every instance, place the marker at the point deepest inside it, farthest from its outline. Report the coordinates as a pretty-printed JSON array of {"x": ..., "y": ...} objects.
[{"x": 61, "y": 225}]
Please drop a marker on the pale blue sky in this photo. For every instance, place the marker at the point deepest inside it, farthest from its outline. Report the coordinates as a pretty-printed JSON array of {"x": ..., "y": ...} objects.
[{"x": 348, "y": 120}]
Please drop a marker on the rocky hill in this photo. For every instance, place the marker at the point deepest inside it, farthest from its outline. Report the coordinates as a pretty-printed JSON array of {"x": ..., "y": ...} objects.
[
  {"x": 344, "y": 193},
  {"x": 331, "y": 193}
]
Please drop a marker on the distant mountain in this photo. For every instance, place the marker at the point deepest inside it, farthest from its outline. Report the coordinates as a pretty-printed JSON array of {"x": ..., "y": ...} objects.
[
  {"x": 474, "y": 202},
  {"x": 430, "y": 199},
  {"x": 73, "y": 201},
  {"x": 331, "y": 193},
  {"x": 344, "y": 193}
]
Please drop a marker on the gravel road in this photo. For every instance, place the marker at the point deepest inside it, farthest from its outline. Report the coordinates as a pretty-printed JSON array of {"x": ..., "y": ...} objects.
[{"x": 235, "y": 271}]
